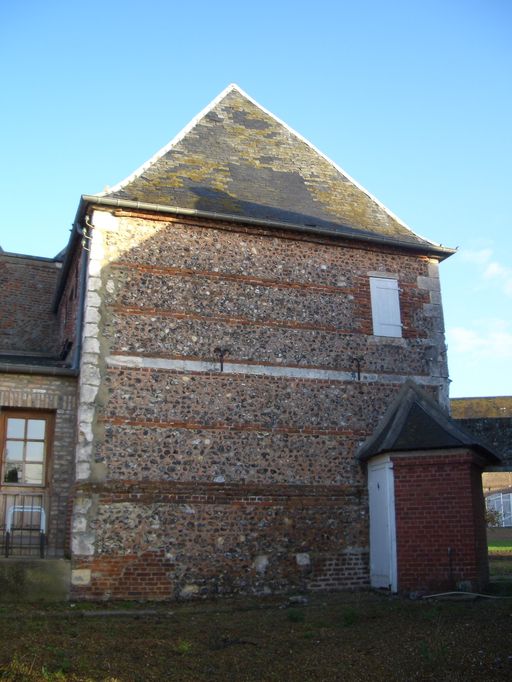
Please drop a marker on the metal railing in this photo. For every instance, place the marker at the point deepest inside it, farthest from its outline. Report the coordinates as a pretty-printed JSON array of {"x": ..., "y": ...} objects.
[{"x": 23, "y": 524}]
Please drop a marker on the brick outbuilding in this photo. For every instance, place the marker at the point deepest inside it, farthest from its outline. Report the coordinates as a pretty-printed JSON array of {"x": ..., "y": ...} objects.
[{"x": 427, "y": 512}]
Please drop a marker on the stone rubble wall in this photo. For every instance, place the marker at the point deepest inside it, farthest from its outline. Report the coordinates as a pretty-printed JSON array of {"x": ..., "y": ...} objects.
[
  {"x": 161, "y": 452},
  {"x": 160, "y": 335},
  {"x": 269, "y": 455},
  {"x": 175, "y": 541}
]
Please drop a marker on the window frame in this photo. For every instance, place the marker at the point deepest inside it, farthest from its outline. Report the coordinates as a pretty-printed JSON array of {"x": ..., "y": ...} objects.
[{"x": 26, "y": 414}]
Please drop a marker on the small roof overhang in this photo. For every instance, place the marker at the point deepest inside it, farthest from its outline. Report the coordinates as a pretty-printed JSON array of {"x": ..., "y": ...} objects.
[{"x": 414, "y": 421}]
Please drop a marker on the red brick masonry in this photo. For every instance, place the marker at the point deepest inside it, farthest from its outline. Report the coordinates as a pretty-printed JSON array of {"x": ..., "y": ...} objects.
[{"x": 440, "y": 526}]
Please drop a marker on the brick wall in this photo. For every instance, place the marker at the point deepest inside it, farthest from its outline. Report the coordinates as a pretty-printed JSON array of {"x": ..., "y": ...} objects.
[
  {"x": 58, "y": 395},
  {"x": 440, "y": 525},
  {"x": 68, "y": 307},
  {"x": 27, "y": 322},
  {"x": 257, "y": 463}
]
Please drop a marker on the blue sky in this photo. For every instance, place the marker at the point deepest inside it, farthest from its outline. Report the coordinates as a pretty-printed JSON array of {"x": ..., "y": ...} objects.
[{"x": 413, "y": 99}]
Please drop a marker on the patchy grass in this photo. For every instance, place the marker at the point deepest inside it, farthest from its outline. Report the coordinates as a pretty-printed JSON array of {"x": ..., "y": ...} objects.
[
  {"x": 362, "y": 636},
  {"x": 500, "y": 566},
  {"x": 500, "y": 546}
]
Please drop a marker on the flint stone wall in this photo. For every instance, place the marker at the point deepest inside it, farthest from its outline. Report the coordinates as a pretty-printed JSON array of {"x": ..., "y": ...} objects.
[
  {"x": 185, "y": 541},
  {"x": 202, "y": 454},
  {"x": 263, "y": 490}
]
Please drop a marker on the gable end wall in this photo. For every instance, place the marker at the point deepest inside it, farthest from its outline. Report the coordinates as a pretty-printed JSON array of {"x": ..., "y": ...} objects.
[{"x": 241, "y": 480}]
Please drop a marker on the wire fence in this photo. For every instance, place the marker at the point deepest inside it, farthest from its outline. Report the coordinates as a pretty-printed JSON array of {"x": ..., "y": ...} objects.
[{"x": 501, "y": 505}]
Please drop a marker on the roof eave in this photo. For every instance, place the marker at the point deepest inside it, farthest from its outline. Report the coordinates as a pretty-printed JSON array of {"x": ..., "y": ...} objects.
[
  {"x": 440, "y": 252},
  {"x": 35, "y": 369},
  {"x": 392, "y": 422},
  {"x": 488, "y": 455}
]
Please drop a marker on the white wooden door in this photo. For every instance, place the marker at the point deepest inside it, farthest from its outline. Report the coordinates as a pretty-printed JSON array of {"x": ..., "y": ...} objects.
[{"x": 381, "y": 491}]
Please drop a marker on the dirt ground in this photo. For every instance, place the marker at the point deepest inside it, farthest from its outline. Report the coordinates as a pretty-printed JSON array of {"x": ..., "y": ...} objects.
[{"x": 337, "y": 636}]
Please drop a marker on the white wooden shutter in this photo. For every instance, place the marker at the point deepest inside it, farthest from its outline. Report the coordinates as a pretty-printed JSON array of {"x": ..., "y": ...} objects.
[{"x": 385, "y": 307}]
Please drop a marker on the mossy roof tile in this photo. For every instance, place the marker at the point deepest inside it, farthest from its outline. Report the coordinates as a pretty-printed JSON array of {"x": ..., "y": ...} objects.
[{"x": 238, "y": 159}]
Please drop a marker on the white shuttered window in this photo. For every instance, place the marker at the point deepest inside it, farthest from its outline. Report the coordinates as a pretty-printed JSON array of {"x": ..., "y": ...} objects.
[{"x": 385, "y": 306}]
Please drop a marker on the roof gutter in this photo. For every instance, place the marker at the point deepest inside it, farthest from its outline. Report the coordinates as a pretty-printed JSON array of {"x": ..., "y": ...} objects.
[
  {"x": 75, "y": 239},
  {"x": 87, "y": 200},
  {"x": 441, "y": 252},
  {"x": 10, "y": 368}
]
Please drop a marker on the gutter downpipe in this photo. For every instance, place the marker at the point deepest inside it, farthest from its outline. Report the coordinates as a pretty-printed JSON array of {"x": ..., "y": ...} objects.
[{"x": 84, "y": 258}]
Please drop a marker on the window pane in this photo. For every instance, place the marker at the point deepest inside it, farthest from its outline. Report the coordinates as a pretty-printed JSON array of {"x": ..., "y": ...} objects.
[
  {"x": 34, "y": 451},
  {"x": 33, "y": 473},
  {"x": 15, "y": 428},
  {"x": 13, "y": 472},
  {"x": 14, "y": 450},
  {"x": 35, "y": 428},
  {"x": 507, "y": 510}
]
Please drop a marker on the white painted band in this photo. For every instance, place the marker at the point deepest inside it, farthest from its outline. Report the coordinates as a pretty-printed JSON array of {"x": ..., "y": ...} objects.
[{"x": 139, "y": 362}]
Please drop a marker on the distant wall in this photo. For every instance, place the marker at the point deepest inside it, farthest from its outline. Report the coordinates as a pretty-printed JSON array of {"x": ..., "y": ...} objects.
[{"x": 490, "y": 421}]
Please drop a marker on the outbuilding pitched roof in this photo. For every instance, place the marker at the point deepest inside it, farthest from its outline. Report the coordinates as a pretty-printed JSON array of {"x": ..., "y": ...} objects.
[
  {"x": 415, "y": 421},
  {"x": 236, "y": 159}
]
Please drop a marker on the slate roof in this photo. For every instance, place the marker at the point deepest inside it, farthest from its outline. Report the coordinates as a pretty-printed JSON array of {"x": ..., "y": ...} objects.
[
  {"x": 237, "y": 159},
  {"x": 415, "y": 421}
]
